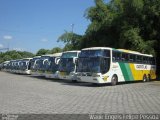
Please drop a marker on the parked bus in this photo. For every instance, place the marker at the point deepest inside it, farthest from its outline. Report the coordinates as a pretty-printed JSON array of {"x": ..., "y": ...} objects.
[
  {"x": 42, "y": 64},
  {"x": 34, "y": 65},
  {"x": 108, "y": 65},
  {"x": 12, "y": 66},
  {"x": 5, "y": 65},
  {"x": 16, "y": 68},
  {"x": 52, "y": 66},
  {"x": 67, "y": 65},
  {"x": 25, "y": 65}
]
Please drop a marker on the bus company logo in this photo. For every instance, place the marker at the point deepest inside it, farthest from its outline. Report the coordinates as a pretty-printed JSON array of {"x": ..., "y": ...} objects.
[{"x": 141, "y": 67}]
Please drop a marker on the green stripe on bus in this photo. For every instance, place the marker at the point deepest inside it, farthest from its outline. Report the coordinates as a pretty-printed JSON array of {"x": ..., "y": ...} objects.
[
  {"x": 126, "y": 71},
  {"x": 129, "y": 71}
]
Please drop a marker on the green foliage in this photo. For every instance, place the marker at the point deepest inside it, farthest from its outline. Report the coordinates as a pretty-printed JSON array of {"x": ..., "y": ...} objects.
[
  {"x": 6, "y": 58},
  {"x": 46, "y": 51},
  {"x": 55, "y": 50},
  {"x": 135, "y": 41},
  {"x": 127, "y": 24},
  {"x": 71, "y": 40},
  {"x": 42, "y": 52},
  {"x": 12, "y": 55},
  {"x": 16, "y": 56}
]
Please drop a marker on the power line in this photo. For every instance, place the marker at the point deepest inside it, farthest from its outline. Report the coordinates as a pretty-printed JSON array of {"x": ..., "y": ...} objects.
[{"x": 5, "y": 49}]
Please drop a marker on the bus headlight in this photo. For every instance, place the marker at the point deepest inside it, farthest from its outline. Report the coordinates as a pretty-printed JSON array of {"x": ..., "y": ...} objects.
[{"x": 105, "y": 78}]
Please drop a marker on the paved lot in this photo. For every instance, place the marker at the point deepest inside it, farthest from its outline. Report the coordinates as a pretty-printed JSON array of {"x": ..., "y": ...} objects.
[{"x": 26, "y": 94}]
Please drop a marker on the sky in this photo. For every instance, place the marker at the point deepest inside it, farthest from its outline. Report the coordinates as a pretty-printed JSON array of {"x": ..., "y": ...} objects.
[{"x": 29, "y": 25}]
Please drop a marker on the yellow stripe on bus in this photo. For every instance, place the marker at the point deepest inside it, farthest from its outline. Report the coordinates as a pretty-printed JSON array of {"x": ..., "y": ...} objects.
[{"x": 138, "y": 74}]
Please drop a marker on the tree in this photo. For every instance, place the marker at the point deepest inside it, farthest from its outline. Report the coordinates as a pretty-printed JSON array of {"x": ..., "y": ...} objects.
[
  {"x": 55, "y": 50},
  {"x": 72, "y": 41},
  {"x": 42, "y": 52},
  {"x": 6, "y": 58},
  {"x": 127, "y": 24},
  {"x": 16, "y": 55}
]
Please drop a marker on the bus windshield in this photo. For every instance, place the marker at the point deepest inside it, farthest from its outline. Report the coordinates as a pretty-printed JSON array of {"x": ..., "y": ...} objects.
[
  {"x": 33, "y": 63},
  {"x": 93, "y": 64},
  {"x": 95, "y": 53},
  {"x": 66, "y": 65},
  {"x": 89, "y": 65},
  {"x": 69, "y": 55},
  {"x": 24, "y": 65},
  {"x": 42, "y": 62},
  {"x": 52, "y": 66}
]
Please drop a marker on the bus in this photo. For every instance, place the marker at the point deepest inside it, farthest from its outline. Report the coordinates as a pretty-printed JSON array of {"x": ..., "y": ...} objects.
[
  {"x": 5, "y": 65},
  {"x": 42, "y": 64},
  {"x": 24, "y": 66},
  {"x": 12, "y": 66},
  {"x": 67, "y": 65},
  {"x": 34, "y": 65},
  {"x": 52, "y": 66},
  {"x": 16, "y": 68},
  {"x": 109, "y": 65}
]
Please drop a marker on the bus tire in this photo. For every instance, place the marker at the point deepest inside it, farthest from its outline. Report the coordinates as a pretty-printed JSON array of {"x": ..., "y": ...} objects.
[
  {"x": 149, "y": 78},
  {"x": 114, "y": 80},
  {"x": 144, "y": 78},
  {"x": 74, "y": 81}
]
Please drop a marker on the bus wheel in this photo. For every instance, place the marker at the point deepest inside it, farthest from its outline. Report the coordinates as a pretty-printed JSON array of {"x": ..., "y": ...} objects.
[
  {"x": 144, "y": 78},
  {"x": 74, "y": 81},
  {"x": 114, "y": 80},
  {"x": 149, "y": 78}
]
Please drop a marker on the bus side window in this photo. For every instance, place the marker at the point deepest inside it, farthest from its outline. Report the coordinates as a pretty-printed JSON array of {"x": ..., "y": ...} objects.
[
  {"x": 152, "y": 60},
  {"x": 131, "y": 57},
  {"x": 106, "y": 53},
  {"x": 118, "y": 56},
  {"x": 123, "y": 57},
  {"x": 105, "y": 65},
  {"x": 113, "y": 56},
  {"x": 148, "y": 60},
  {"x": 139, "y": 59},
  {"x": 144, "y": 59},
  {"x": 134, "y": 58}
]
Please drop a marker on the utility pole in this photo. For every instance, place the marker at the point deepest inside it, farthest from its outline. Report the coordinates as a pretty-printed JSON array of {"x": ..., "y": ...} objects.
[{"x": 72, "y": 25}]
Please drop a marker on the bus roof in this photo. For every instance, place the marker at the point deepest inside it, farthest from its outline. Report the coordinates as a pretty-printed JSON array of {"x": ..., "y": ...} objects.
[
  {"x": 27, "y": 58},
  {"x": 57, "y": 54},
  {"x": 37, "y": 57},
  {"x": 72, "y": 51},
  {"x": 134, "y": 52},
  {"x": 98, "y": 48},
  {"x": 52, "y": 55},
  {"x": 120, "y": 50}
]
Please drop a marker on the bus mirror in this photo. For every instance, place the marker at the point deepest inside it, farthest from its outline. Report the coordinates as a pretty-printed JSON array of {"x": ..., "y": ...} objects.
[
  {"x": 45, "y": 60},
  {"x": 57, "y": 60},
  {"x": 75, "y": 61}
]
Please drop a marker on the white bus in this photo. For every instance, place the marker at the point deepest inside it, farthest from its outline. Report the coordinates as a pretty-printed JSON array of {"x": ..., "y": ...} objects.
[
  {"x": 24, "y": 66},
  {"x": 67, "y": 65},
  {"x": 42, "y": 64},
  {"x": 52, "y": 66},
  {"x": 109, "y": 65},
  {"x": 34, "y": 65},
  {"x": 5, "y": 66}
]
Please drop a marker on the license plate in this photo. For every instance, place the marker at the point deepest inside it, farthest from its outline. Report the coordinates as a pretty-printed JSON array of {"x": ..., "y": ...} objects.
[{"x": 62, "y": 73}]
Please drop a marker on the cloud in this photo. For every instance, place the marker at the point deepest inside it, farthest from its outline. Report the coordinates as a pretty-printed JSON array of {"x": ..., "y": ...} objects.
[
  {"x": 44, "y": 40},
  {"x": 7, "y": 37},
  {"x": 1, "y": 46},
  {"x": 18, "y": 49}
]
